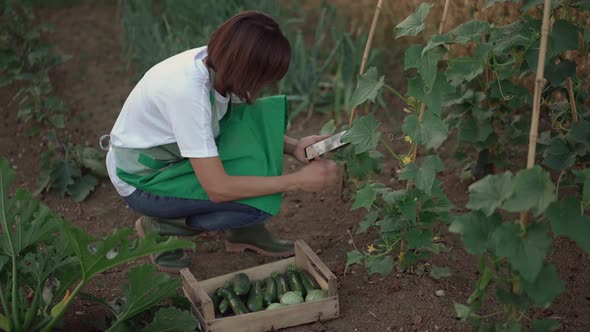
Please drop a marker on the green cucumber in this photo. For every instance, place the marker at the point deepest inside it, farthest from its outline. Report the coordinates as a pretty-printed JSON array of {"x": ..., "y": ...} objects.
[
  {"x": 237, "y": 306},
  {"x": 307, "y": 281},
  {"x": 241, "y": 284},
  {"x": 270, "y": 291},
  {"x": 255, "y": 297},
  {"x": 293, "y": 280},
  {"x": 280, "y": 283},
  {"x": 223, "y": 306},
  {"x": 219, "y": 303}
]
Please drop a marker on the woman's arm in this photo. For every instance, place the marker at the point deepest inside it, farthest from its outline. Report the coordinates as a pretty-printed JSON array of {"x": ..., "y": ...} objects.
[{"x": 221, "y": 187}]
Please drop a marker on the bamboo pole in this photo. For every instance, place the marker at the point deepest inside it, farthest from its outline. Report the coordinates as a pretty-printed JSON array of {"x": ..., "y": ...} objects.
[
  {"x": 539, "y": 81},
  {"x": 572, "y": 100},
  {"x": 367, "y": 49},
  {"x": 414, "y": 147},
  {"x": 362, "y": 71}
]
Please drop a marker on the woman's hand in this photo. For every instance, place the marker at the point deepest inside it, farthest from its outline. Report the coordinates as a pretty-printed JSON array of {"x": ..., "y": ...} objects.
[
  {"x": 299, "y": 150},
  {"x": 317, "y": 176}
]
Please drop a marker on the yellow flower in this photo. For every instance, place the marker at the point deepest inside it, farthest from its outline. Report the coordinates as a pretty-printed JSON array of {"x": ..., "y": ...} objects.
[
  {"x": 371, "y": 248},
  {"x": 408, "y": 139},
  {"x": 406, "y": 160},
  {"x": 411, "y": 101}
]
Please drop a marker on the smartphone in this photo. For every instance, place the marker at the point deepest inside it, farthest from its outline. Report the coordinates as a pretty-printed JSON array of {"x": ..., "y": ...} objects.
[{"x": 329, "y": 144}]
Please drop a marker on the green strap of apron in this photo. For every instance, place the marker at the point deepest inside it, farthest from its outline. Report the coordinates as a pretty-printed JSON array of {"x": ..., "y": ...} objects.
[{"x": 250, "y": 143}]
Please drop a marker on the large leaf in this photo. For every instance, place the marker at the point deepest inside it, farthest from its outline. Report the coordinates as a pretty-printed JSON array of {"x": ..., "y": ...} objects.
[
  {"x": 424, "y": 176},
  {"x": 379, "y": 264},
  {"x": 428, "y": 68},
  {"x": 533, "y": 190},
  {"x": 367, "y": 87},
  {"x": 353, "y": 257},
  {"x": 146, "y": 288},
  {"x": 92, "y": 159},
  {"x": 433, "y": 97},
  {"x": 367, "y": 222},
  {"x": 419, "y": 238},
  {"x": 558, "y": 155},
  {"x": 558, "y": 73},
  {"x": 470, "y": 31},
  {"x": 580, "y": 132},
  {"x": 172, "y": 320},
  {"x": 545, "y": 325},
  {"x": 435, "y": 41},
  {"x": 583, "y": 177},
  {"x": 473, "y": 130},
  {"x": 489, "y": 193},
  {"x": 414, "y": 23},
  {"x": 413, "y": 56},
  {"x": 546, "y": 287},
  {"x": 563, "y": 37},
  {"x": 567, "y": 220},
  {"x": 363, "y": 134},
  {"x": 64, "y": 174},
  {"x": 468, "y": 68},
  {"x": 365, "y": 197},
  {"x": 525, "y": 254},
  {"x": 476, "y": 230},
  {"x": 432, "y": 132},
  {"x": 98, "y": 255},
  {"x": 82, "y": 187}
]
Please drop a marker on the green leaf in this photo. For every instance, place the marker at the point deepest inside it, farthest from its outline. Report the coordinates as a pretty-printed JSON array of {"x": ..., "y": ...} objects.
[
  {"x": 489, "y": 193},
  {"x": 528, "y": 4},
  {"x": 146, "y": 288},
  {"x": 558, "y": 73},
  {"x": 365, "y": 197},
  {"x": 558, "y": 155},
  {"x": 545, "y": 325},
  {"x": 367, "y": 222},
  {"x": 408, "y": 208},
  {"x": 363, "y": 134},
  {"x": 367, "y": 87},
  {"x": 362, "y": 164},
  {"x": 353, "y": 257},
  {"x": 580, "y": 132},
  {"x": 468, "y": 68},
  {"x": 432, "y": 132},
  {"x": 476, "y": 230},
  {"x": 563, "y": 37},
  {"x": 44, "y": 178},
  {"x": 490, "y": 3},
  {"x": 437, "y": 40},
  {"x": 428, "y": 68},
  {"x": 413, "y": 56},
  {"x": 64, "y": 174},
  {"x": 545, "y": 288},
  {"x": 414, "y": 23},
  {"x": 172, "y": 320},
  {"x": 509, "y": 326},
  {"x": 57, "y": 121},
  {"x": 470, "y": 31},
  {"x": 525, "y": 254},
  {"x": 472, "y": 131},
  {"x": 93, "y": 160},
  {"x": 328, "y": 128},
  {"x": 419, "y": 238},
  {"x": 82, "y": 187},
  {"x": 392, "y": 223},
  {"x": 99, "y": 255},
  {"x": 379, "y": 264},
  {"x": 463, "y": 312},
  {"x": 434, "y": 97},
  {"x": 533, "y": 190},
  {"x": 424, "y": 175},
  {"x": 440, "y": 272},
  {"x": 567, "y": 220},
  {"x": 583, "y": 176}
]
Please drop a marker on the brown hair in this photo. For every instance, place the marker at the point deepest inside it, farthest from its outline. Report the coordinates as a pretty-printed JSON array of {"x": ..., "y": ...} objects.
[{"x": 247, "y": 53}]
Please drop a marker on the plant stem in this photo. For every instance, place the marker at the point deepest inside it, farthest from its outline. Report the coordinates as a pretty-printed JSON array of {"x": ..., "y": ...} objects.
[
  {"x": 4, "y": 304},
  {"x": 572, "y": 100},
  {"x": 539, "y": 81},
  {"x": 33, "y": 307},
  {"x": 558, "y": 182},
  {"x": 63, "y": 310},
  {"x": 395, "y": 155},
  {"x": 395, "y": 92},
  {"x": 15, "y": 312}
]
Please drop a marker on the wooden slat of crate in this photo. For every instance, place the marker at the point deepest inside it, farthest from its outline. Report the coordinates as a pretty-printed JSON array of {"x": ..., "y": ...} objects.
[{"x": 198, "y": 293}]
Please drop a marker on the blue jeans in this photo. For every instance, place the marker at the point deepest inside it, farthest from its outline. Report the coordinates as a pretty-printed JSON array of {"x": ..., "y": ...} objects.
[{"x": 201, "y": 214}]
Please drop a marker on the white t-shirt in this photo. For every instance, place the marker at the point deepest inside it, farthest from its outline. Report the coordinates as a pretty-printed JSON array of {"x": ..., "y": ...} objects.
[{"x": 170, "y": 104}]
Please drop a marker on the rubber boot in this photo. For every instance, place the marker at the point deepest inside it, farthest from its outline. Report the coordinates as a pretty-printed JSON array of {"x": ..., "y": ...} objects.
[
  {"x": 258, "y": 239},
  {"x": 169, "y": 261}
]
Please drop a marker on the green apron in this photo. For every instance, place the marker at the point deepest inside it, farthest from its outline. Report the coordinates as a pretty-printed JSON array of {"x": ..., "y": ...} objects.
[{"x": 250, "y": 143}]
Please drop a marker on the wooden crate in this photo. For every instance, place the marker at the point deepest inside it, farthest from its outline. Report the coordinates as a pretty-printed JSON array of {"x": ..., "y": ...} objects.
[{"x": 199, "y": 294}]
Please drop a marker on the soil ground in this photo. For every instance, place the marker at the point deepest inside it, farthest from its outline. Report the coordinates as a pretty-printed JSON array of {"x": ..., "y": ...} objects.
[{"x": 95, "y": 83}]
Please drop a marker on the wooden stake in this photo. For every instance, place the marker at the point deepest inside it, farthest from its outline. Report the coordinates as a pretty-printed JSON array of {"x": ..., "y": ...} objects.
[
  {"x": 539, "y": 81},
  {"x": 367, "y": 49},
  {"x": 572, "y": 100},
  {"x": 362, "y": 71},
  {"x": 414, "y": 147}
]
